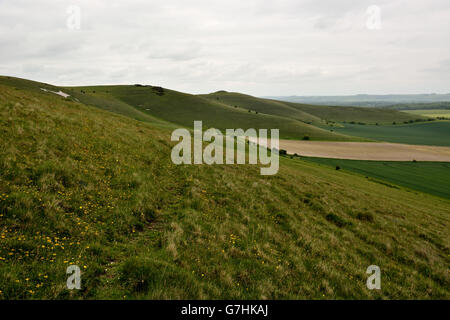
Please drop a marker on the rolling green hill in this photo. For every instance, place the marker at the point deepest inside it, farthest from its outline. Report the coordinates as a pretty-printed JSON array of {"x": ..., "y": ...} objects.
[
  {"x": 80, "y": 185},
  {"x": 316, "y": 114},
  {"x": 266, "y": 106},
  {"x": 170, "y": 108},
  {"x": 183, "y": 109}
]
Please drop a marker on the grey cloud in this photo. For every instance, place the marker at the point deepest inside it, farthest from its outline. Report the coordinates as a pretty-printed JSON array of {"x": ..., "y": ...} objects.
[{"x": 255, "y": 46}]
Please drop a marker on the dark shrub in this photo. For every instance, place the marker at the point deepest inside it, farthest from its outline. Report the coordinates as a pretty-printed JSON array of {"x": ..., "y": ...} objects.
[
  {"x": 158, "y": 90},
  {"x": 305, "y": 137},
  {"x": 338, "y": 168},
  {"x": 336, "y": 220},
  {"x": 365, "y": 216}
]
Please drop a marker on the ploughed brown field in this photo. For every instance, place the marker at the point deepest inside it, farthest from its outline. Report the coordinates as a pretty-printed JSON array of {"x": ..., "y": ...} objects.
[{"x": 381, "y": 151}]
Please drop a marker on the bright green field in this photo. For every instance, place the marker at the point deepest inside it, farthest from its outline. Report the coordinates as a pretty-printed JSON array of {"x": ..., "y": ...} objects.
[
  {"x": 429, "y": 177},
  {"x": 432, "y": 113},
  {"x": 81, "y": 185},
  {"x": 434, "y": 133}
]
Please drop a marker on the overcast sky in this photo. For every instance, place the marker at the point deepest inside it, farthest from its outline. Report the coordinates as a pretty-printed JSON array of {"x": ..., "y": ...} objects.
[{"x": 287, "y": 47}]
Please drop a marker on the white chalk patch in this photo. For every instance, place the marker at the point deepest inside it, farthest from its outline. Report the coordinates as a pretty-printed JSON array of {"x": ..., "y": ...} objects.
[{"x": 60, "y": 93}]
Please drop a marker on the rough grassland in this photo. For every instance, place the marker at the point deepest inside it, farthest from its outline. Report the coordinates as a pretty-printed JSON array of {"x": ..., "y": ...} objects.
[{"x": 83, "y": 186}]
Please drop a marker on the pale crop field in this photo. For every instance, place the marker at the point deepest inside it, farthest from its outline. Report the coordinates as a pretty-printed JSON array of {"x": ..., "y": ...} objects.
[{"x": 380, "y": 151}]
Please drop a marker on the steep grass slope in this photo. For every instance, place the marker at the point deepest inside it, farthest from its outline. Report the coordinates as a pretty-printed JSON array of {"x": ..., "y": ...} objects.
[
  {"x": 105, "y": 102},
  {"x": 79, "y": 185}
]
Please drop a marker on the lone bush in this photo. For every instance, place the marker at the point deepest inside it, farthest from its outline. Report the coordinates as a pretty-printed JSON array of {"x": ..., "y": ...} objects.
[{"x": 365, "y": 216}]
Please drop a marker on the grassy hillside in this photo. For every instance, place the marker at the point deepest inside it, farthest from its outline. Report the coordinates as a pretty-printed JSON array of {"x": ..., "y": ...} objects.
[
  {"x": 80, "y": 185},
  {"x": 266, "y": 106},
  {"x": 316, "y": 114},
  {"x": 429, "y": 177},
  {"x": 105, "y": 102},
  {"x": 435, "y": 133},
  {"x": 183, "y": 109}
]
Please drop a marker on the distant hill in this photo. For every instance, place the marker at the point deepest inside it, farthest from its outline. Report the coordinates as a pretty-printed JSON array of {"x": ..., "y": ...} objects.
[
  {"x": 366, "y": 100},
  {"x": 420, "y": 106}
]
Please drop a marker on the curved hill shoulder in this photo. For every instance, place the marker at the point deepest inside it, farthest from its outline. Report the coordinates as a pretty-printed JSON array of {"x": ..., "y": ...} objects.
[
  {"x": 313, "y": 114},
  {"x": 267, "y": 106}
]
